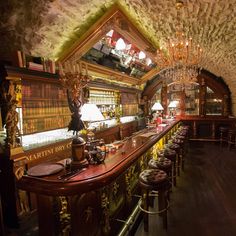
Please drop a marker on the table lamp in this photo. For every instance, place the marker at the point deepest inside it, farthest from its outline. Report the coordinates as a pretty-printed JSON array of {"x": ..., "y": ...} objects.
[
  {"x": 172, "y": 106},
  {"x": 90, "y": 113},
  {"x": 158, "y": 107}
]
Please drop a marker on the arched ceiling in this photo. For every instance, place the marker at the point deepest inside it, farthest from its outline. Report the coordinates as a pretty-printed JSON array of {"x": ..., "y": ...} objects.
[{"x": 48, "y": 27}]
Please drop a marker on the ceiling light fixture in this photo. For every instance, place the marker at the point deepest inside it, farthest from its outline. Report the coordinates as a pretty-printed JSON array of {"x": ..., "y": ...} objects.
[{"x": 182, "y": 58}]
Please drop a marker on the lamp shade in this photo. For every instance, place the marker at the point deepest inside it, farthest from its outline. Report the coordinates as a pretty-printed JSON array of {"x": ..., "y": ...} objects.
[
  {"x": 90, "y": 112},
  {"x": 157, "y": 107},
  {"x": 120, "y": 44},
  {"x": 173, "y": 104},
  {"x": 141, "y": 55}
]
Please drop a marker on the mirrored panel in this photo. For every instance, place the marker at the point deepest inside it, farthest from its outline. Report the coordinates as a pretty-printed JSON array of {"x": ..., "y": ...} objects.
[
  {"x": 192, "y": 101},
  {"x": 115, "y": 52},
  {"x": 214, "y": 104}
]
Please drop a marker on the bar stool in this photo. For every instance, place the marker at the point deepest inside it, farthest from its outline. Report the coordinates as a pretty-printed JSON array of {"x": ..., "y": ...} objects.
[
  {"x": 223, "y": 135},
  {"x": 171, "y": 155},
  {"x": 151, "y": 180},
  {"x": 183, "y": 130},
  {"x": 162, "y": 164},
  {"x": 181, "y": 143},
  {"x": 231, "y": 138},
  {"x": 183, "y": 133},
  {"x": 176, "y": 148}
]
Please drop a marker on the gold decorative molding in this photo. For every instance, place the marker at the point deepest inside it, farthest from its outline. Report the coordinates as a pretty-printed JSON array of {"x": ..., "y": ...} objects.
[
  {"x": 113, "y": 19},
  {"x": 65, "y": 217},
  {"x": 115, "y": 189},
  {"x": 105, "y": 211},
  {"x": 8, "y": 94},
  {"x": 99, "y": 71}
]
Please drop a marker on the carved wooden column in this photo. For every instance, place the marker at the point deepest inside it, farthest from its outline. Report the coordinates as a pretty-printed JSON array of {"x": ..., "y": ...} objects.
[
  {"x": 226, "y": 108},
  {"x": 213, "y": 130},
  {"x": 202, "y": 98},
  {"x": 182, "y": 103},
  {"x": 194, "y": 129},
  {"x": 164, "y": 98},
  {"x": 11, "y": 146}
]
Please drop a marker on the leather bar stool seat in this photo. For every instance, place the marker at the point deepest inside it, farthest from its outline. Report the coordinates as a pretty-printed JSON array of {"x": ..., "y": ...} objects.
[
  {"x": 185, "y": 127},
  {"x": 154, "y": 180},
  {"x": 183, "y": 130},
  {"x": 181, "y": 155},
  {"x": 162, "y": 164},
  {"x": 171, "y": 155},
  {"x": 177, "y": 148},
  {"x": 183, "y": 134},
  {"x": 180, "y": 136},
  {"x": 178, "y": 141},
  {"x": 182, "y": 143}
]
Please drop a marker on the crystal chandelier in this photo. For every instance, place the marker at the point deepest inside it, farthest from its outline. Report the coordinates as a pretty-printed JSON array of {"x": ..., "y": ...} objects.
[{"x": 181, "y": 58}]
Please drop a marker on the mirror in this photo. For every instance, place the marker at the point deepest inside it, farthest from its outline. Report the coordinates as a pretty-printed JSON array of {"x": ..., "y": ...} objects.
[
  {"x": 114, "y": 48},
  {"x": 116, "y": 52}
]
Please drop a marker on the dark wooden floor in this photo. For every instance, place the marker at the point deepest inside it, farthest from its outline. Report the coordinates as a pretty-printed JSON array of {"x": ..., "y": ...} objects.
[{"x": 204, "y": 202}]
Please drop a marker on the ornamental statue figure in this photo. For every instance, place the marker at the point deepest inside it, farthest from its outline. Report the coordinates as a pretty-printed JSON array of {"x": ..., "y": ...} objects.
[{"x": 12, "y": 119}]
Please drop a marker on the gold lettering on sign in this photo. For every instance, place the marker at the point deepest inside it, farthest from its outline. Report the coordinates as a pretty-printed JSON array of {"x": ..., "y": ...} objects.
[
  {"x": 45, "y": 153},
  {"x": 59, "y": 148}
]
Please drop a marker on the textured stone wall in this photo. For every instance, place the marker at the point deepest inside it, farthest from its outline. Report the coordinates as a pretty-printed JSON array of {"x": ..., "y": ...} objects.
[{"x": 47, "y": 27}]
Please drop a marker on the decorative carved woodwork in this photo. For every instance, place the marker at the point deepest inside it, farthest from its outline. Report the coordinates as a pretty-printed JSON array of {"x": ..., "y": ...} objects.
[
  {"x": 105, "y": 214},
  {"x": 205, "y": 79},
  {"x": 65, "y": 217},
  {"x": 113, "y": 19},
  {"x": 86, "y": 214},
  {"x": 90, "y": 193},
  {"x": 164, "y": 97}
]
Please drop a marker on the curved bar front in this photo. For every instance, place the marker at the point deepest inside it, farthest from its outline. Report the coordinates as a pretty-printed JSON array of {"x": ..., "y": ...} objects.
[{"x": 102, "y": 190}]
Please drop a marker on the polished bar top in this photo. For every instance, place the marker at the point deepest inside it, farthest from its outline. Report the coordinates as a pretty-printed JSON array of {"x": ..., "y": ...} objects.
[
  {"x": 209, "y": 118},
  {"x": 96, "y": 176}
]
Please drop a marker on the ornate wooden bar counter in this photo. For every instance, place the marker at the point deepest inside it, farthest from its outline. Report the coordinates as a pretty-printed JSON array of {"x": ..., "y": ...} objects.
[{"x": 91, "y": 202}]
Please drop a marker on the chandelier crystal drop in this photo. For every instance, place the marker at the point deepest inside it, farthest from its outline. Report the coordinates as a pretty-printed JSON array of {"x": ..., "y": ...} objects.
[{"x": 181, "y": 58}]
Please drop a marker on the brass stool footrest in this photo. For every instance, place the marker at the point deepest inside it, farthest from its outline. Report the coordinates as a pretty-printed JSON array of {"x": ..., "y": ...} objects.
[
  {"x": 154, "y": 212},
  {"x": 153, "y": 194}
]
